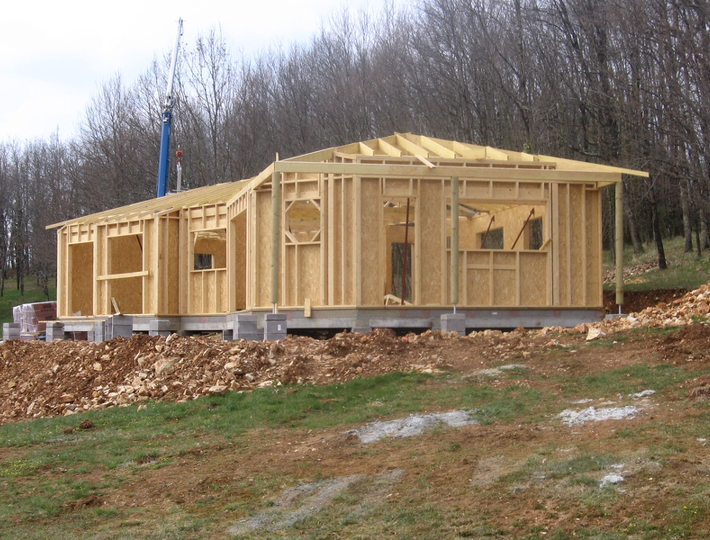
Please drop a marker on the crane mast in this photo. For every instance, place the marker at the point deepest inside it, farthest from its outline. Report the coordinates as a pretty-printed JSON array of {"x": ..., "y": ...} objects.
[{"x": 164, "y": 159}]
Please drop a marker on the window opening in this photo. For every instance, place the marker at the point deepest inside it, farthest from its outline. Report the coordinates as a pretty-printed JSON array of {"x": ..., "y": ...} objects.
[
  {"x": 492, "y": 239},
  {"x": 535, "y": 233},
  {"x": 210, "y": 250}
]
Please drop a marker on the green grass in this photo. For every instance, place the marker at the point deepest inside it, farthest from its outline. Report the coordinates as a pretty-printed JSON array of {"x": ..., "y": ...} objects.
[
  {"x": 685, "y": 270},
  {"x": 12, "y": 296}
]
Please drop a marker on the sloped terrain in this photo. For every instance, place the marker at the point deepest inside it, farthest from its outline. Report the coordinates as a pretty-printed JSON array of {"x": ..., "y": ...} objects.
[{"x": 594, "y": 432}]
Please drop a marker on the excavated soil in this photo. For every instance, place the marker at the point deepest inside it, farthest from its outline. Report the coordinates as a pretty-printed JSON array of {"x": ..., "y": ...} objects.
[
  {"x": 40, "y": 379},
  {"x": 635, "y": 301}
]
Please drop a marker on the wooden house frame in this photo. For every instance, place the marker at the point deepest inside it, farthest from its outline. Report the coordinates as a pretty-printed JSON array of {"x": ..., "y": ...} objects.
[{"x": 331, "y": 238}]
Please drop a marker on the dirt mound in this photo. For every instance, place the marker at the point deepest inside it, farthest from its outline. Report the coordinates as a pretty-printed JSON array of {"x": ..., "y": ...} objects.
[
  {"x": 48, "y": 379},
  {"x": 635, "y": 301}
]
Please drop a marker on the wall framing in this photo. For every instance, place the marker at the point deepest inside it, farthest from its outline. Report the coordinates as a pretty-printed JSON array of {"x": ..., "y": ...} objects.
[{"x": 337, "y": 214}]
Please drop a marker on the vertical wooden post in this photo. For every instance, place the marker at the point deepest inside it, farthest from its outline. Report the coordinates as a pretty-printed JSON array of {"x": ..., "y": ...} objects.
[
  {"x": 454, "y": 241},
  {"x": 619, "y": 211},
  {"x": 275, "y": 236}
]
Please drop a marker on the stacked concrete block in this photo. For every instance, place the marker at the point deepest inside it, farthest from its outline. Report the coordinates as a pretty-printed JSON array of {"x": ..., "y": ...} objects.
[
  {"x": 274, "y": 326},
  {"x": 55, "y": 330},
  {"x": 244, "y": 327},
  {"x": 119, "y": 325},
  {"x": 10, "y": 331},
  {"x": 99, "y": 331},
  {"x": 454, "y": 322},
  {"x": 159, "y": 327}
]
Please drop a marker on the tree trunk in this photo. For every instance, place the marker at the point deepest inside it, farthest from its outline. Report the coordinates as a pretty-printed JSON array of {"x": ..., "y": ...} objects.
[
  {"x": 687, "y": 223},
  {"x": 657, "y": 231},
  {"x": 704, "y": 236},
  {"x": 633, "y": 231}
]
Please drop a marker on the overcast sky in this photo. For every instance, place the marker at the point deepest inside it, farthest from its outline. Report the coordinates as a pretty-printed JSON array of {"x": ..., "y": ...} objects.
[{"x": 54, "y": 56}]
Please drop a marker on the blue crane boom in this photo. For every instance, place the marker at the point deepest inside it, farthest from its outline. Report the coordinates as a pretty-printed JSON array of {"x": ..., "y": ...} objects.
[{"x": 164, "y": 159}]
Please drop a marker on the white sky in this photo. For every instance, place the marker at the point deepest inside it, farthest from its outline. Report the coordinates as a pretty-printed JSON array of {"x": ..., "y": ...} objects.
[{"x": 54, "y": 55}]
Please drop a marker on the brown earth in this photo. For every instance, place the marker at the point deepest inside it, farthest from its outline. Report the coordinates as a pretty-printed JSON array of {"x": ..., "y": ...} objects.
[
  {"x": 635, "y": 301},
  {"x": 457, "y": 470},
  {"x": 47, "y": 379}
]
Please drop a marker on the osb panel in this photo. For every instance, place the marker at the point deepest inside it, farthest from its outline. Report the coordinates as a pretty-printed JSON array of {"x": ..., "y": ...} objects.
[
  {"x": 309, "y": 265},
  {"x": 593, "y": 247},
  {"x": 150, "y": 264},
  {"x": 577, "y": 245},
  {"x": 476, "y": 190},
  {"x": 533, "y": 279},
  {"x": 308, "y": 189},
  {"x": 397, "y": 187},
  {"x": 432, "y": 248},
  {"x": 239, "y": 244},
  {"x": 129, "y": 294},
  {"x": 348, "y": 243},
  {"x": 171, "y": 289},
  {"x": 262, "y": 281},
  {"x": 530, "y": 190},
  {"x": 503, "y": 190},
  {"x": 215, "y": 247},
  {"x": 335, "y": 242},
  {"x": 510, "y": 219},
  {"x": 504, "y": 287},
  {"x": 502, "y": 258},
  {"x": 196, "y": 291},
  {"x": 478, "y": 287},
  {"x": 82, "y": 279},
  {"x": 562, "y": 249},
  {"x": 126, "y": 254},
  {"x": 372, "y": 274},
  {"x": 289, "y": 296}
]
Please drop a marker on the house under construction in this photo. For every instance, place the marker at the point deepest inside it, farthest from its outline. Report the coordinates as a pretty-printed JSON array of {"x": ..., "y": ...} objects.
[{"x": 405, "y": 231}]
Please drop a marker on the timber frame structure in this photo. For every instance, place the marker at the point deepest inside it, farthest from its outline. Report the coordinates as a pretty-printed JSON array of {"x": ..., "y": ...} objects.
[{"x": 391, "y": 232}]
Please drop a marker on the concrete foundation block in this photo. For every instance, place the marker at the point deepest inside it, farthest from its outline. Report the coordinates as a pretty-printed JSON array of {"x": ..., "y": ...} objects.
[
  {"x": 244, "y": 327},
  {"x": 120, "y": 325},
  {"x": 454, "y": 322},
  {"x": 10, "y": 331},
  {"x": 55, "y": 330},
  {"x": 159, "y": 327},
  {"x": 274, "y": 326},
  {"x": 99, "y": 331}
]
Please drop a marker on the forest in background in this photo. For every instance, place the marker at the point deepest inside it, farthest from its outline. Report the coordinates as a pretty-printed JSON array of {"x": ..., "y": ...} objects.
[{"x": 619, "y": 82}]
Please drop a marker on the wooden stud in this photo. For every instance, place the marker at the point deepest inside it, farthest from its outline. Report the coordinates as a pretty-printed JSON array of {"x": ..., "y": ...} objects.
[{"x": 619, "y": 240}]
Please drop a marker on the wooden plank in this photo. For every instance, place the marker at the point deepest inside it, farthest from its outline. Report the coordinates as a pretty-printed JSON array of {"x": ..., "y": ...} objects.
[
  {"x": 332, "y": 253},
  {"x": 436, "y": 147},
  {"x": 593, "y": 249},
  {"x": 388, "y": 148},
  {"x": 441, "y": 172},
  {"x": 404, "y": 142},
  {"x": 324, "y": 277},
  {"x": 533, "y": 278},
  {"x": 125, "y": 275},
  {"x": 357, "y": 229},
  {"x": 371, "y": 272},
  {"x": 432, "y": 243},
  {"x": 556, "y": 236}
]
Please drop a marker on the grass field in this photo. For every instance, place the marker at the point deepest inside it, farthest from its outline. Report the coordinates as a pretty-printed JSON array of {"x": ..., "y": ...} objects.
[{"x": 685, "y": 270}]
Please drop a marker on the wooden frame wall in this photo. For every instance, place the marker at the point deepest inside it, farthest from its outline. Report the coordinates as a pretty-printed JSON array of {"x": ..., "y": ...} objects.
[{"x": 344, "y": 262}]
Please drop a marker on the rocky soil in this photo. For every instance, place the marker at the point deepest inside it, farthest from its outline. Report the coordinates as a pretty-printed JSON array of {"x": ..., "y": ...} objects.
[{"x": 48, "y": 379}]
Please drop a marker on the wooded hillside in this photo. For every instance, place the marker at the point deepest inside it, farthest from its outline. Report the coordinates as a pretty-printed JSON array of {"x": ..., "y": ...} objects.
[{"x": 625, "y": 83}]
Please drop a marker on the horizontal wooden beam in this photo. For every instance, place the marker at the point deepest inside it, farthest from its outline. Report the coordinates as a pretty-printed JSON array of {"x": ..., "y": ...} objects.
[
  {"x": 126, "y": 275},
  {"x": 419, "y": 171}
]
